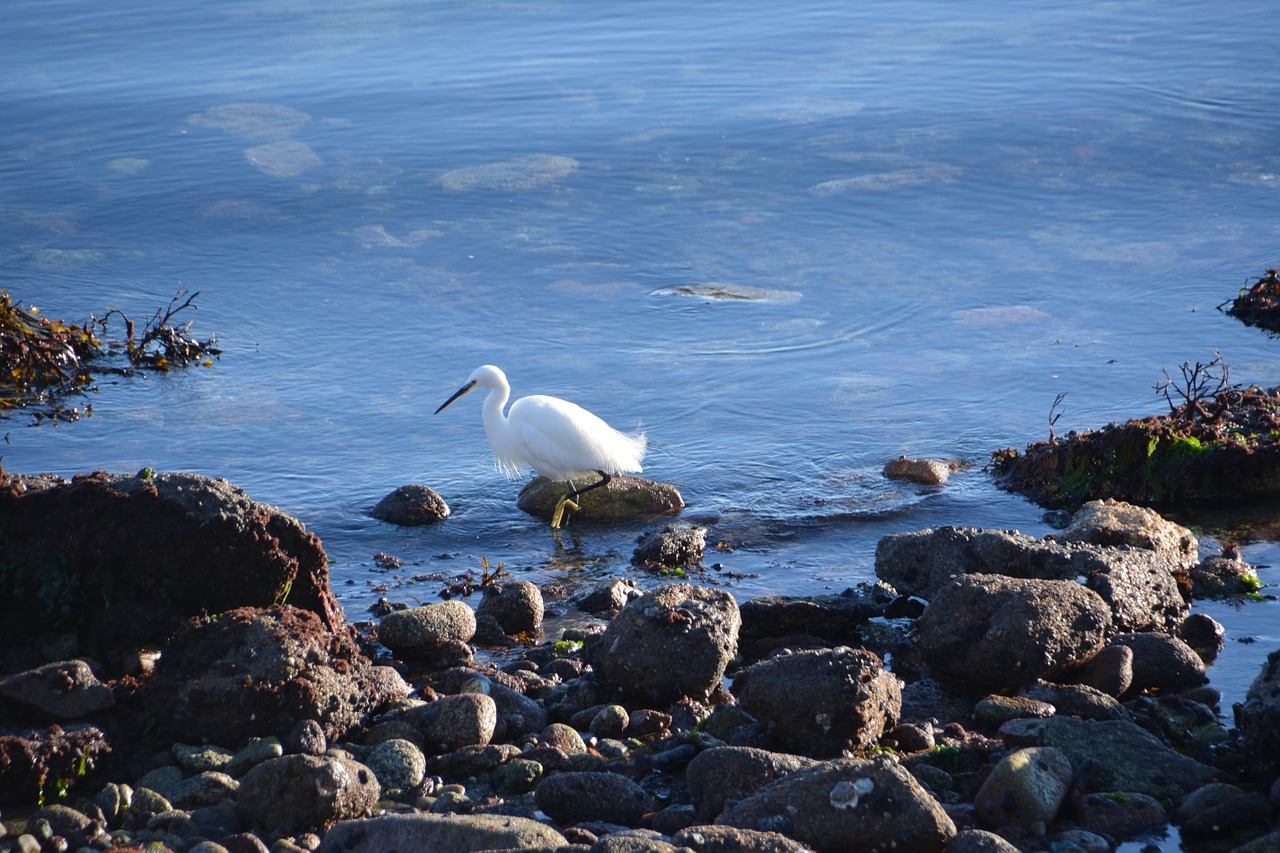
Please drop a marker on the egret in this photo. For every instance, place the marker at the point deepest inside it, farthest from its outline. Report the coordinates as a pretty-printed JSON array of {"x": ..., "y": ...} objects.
[{"x": 558, "y": 439}]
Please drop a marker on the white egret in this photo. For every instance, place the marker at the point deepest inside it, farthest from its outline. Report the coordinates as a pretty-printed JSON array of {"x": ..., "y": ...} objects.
[{"x": 558, "y": 439}]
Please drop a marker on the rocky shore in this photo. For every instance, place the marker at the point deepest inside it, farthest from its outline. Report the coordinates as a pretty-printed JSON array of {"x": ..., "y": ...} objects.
[{"x": 179, "y": 676}]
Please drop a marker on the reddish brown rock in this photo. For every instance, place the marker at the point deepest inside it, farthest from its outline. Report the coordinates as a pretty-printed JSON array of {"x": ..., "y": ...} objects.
[{"x": 120, "y": 562}]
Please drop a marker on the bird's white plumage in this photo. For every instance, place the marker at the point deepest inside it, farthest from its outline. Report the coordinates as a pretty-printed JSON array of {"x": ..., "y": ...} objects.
[{"x": 558, "y": 439}]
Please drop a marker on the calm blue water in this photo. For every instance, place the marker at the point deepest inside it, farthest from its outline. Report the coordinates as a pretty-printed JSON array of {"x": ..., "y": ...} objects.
[{"x": 960, "y": 211}]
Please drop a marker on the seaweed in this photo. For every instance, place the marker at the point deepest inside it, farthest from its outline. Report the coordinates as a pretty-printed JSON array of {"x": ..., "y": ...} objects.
[{"x": 46, "y": 365}]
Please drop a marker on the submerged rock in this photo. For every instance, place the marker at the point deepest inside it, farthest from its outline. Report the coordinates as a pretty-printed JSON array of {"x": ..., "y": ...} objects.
[
  {"x": 521, "y": 174},
  {"x": 411, "y": 505},
  {"x": 624, "y": 499}
]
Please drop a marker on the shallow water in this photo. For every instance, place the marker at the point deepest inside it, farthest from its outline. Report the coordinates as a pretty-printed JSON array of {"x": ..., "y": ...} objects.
[{"x": 943, "y": 215}]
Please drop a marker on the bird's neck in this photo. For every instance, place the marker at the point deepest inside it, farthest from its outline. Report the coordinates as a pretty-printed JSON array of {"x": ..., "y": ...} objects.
[{"x": 494, "y": 418}]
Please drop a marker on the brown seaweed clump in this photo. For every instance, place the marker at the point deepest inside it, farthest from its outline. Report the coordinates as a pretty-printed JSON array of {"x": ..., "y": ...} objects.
[
  {"x": 1223, "y": 445},
  {"x": 1259, "y": 303}
]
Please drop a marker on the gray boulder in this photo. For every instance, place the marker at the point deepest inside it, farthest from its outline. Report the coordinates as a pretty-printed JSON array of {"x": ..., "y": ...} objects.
[
  {"x": 516, "y": 605},
  {"x": 848, "y": 805},
  {"x": 672, "y": 642},
  {"x": 455, "y": 720},
  {"x": 1113, "y": 523},
  {"x": 1110, "y": 671},
  {"x": 420, "y": 630},
  {"x": 412, "y": 505},
  {"x": 429, "y": 832},
  {"x": 305, "y": 793},
  {"x": 988, "y": 633},
  {"x": 1135, "y": 759},
  {"x": 731, "y": 839},
  {"x": 66, "y": 690},
  {"x": 1137, "y": 584},
  {"x": 577, "y": 796},
  {"x": 718, "y": 775},
  {"x": 1026, "y": 787},
  {"x": 671, "y": 545},
  {"x": 821, "y": 702},
  {"x": 1161, "y": 662}
]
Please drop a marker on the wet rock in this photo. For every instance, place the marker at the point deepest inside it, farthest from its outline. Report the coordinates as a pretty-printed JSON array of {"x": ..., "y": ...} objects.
[
  {"x": 29, "y": 757},
  {"x": 301, "y": 793},
  {"x": 849, "y": 699},
  {"x": 1025, "y": 788},
  {"x": 624, "y": 499},
  {"x": 458, "y": 720},
  {"x": 419, "y": 630},
  {"x": 1223, "y": 577},
  {"x": 1110, "y": 671},
  {"x": 926, "y": 472},
  {"x": 988, "y": 633},
  {"x": 1115, "y": 523},
  {"x": 251, "y": 672},
  {"x": 1117, "y": 755},
  {"x": 1121, "y": 815},
  {"x": 454, "y": 833},
  {"x": 1161, "y": 662},
  {"x": 66, "y": 690},
  {"x": 608, "y": 596},
  {"x": 1206, "y": 799},
  {"x": 721, "y": 774},
  {"x": 1204, "y": 634},
  {"x": 516, "y": 605},
  {"x": 730, "y": 839},
  {"x": 159, "y": 548},
  {"x": 575, "y": 797},
  {"x": 671, "y": 545},
  {"x": 770, "y": 620},
  {"x": 672, "y": 642},
  {"x": 823, "y": 806},
  {"x": 411, "y": 506},
  {"x": 1258, "y": 717}
]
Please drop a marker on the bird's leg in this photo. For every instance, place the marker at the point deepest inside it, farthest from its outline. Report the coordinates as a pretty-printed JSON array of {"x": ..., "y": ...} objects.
[
  {"x": 557, "y": 517},
  {"x": 568, "y": 500}
]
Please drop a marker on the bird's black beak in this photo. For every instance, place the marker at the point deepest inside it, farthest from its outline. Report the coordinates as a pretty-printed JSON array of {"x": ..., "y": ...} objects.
[{"x": 464, "y": 389}]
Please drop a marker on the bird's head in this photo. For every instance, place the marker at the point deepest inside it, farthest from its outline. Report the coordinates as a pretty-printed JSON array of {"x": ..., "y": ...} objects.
[{"x": 485, "y": 376}]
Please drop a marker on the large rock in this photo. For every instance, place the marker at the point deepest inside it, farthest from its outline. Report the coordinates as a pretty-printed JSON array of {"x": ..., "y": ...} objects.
[
  {"x": 672, "y": 642},
  {"x": 517, "y": 605},
  {"x": 575, "y": 797},
  {"x": 989, "y": 633},
  {"x": 1135, "y": 759},
  {"x": 419, "y": 630},
  {"x": 821, "y": 702},
  {"x": 624, "y": 499},
  {"x": 429, "y": 832},
  {"x": 120, "y": 562},
  {"x": 1114, "y": 523},
  {"x": 848, "y": 805},
  {"x": 1026, "y": 787},
  {"x": 305, "y": 793},
  {"x": 718, "y": 775},
  {"x": 455, "y": 721},
  {"x": 66, "y": 690},
  {"x": 1137, "y": 584},
  {"x": 1258, "y": 718},
  {"x": 253, "y": 673}
]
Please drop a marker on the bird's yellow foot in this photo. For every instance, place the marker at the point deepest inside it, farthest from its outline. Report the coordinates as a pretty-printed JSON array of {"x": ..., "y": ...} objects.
[{"x": 557, "y": 518}]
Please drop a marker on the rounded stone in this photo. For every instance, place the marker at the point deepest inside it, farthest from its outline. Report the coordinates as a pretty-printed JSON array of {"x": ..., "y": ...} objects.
[
  {"x": 399, "y": 765},
  {"x": 574, "y": 797},
  {"x": 517, "y": 606},
  {"x": 422, "y": 629},
  {"x": 1025, "y": 788},
  {"x": 411, "y": 506}
]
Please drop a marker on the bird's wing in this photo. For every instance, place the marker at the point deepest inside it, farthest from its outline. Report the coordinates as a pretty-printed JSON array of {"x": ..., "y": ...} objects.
[{"x": 564, "y": 441}]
